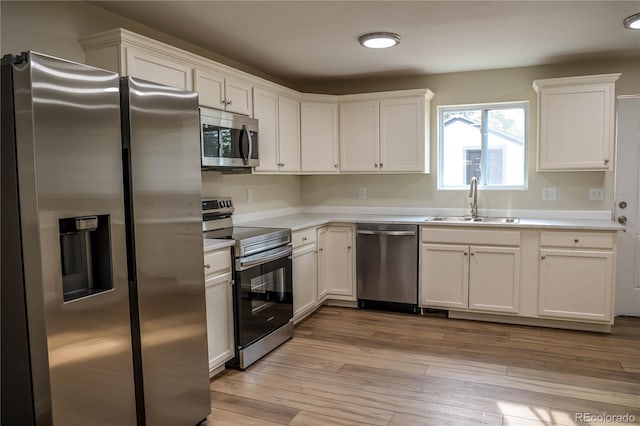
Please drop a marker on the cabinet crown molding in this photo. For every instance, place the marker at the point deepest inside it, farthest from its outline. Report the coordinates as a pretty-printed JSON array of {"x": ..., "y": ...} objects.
[{"x": 566, "y": 81}]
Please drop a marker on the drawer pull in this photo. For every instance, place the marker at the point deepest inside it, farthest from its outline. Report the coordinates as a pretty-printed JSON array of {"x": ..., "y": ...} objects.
[
  {"x": 543, "y": 257},
  {"x": 207, "y": 266},
  {"x": 576, "y": 240},
  {"x": 304, "y": 238}
]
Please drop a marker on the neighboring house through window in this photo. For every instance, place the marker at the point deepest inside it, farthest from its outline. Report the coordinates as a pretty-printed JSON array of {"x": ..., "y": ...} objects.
[{"x": 486, "y": 141}]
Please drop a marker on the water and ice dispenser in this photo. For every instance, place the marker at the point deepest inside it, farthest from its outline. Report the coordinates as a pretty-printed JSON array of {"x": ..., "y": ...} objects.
[{"x": 85, "y": 248}]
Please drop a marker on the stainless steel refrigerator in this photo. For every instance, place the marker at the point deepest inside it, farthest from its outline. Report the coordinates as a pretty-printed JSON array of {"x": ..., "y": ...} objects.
[{"x": 103, "y": 305}]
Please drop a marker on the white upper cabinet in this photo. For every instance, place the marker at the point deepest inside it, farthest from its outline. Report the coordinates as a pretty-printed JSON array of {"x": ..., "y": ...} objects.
[
  {"x": 265, "y": 109},
  {"x": 402, "y": 134},
  {"x": 278, "y": 132},
  {"x": 157, "y": 68},
  {"x": 217, "y": 91},
  {"x": 385, "y": 132},
  {"x": 576, "y": 122},
  {"x": 319, "y": 137},
  {"x": 288, "y": 134},
  {"x": 359, "y": 136}
]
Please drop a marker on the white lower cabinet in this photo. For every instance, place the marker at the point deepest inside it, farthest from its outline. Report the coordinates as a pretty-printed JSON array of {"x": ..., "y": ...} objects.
[
  {"x": 219, "y": 301},
  {"x": 470, "y": 277},
  {"x": 494, "y": 279},
  {"x": 576, "y": 275},
  {"x": 305, "y": 273},
  {"x": 335, "y": 262},
  {"x": 445, "y": 276}
]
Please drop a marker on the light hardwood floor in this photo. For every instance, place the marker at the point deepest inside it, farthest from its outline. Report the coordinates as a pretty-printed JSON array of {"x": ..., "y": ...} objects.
[{"x": 348, "y": 366}]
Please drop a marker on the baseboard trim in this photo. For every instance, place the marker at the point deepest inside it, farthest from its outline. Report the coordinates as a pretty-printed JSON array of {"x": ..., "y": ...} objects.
[{"x": 537, "y": 322}]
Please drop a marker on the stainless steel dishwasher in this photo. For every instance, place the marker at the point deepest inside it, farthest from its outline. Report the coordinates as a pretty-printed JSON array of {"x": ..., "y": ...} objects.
[{"x": 387, "y": 266}]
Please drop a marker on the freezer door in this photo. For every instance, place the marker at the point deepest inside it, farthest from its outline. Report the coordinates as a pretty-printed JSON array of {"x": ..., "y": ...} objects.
[
  {"x": 68, "y": 146},
  {"x": 162, "y": 167}
]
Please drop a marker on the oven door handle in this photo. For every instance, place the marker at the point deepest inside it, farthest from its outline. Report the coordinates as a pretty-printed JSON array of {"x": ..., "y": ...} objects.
[{"x": 261, "y": 258}]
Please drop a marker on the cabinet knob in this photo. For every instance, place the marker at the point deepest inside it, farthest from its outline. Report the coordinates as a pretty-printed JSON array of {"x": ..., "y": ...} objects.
[
  {"x": 304, "y": 238},
  {"x": 606, "y": 161},
  {"x": 223, "y": 102},
  {"x": 473, "y": 254},
  {"x": 321, "y": 249},
  {"x": 229, "y": 102},
  {"x": 207, "y": 266},
  {"x": 543, "y": 257},
  {"x": 466, "y": 254},
  {"x": 576, "y": 240},
  {"x": 375, "y": 164},
  {"x": 335, "y": 165},
  {"x": 381, "y": 165},
  {"x": 348, "y": 247}
]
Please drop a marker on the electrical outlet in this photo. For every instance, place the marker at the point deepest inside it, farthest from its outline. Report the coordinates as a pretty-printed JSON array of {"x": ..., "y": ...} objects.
[
  {"x": 596, "y": 194},
  {"x": 549, "y": 194},
  {"x": 362, "y": 193},
  {"x": 249, "y": 195}
]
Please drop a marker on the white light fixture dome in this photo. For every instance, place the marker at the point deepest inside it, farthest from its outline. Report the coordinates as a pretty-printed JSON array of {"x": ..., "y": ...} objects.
[
  {"x": 379, "y": 40},
  {"x": 632, "y": 22}
]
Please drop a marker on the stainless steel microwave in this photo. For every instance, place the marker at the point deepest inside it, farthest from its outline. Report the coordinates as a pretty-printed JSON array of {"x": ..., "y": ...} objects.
[{"x": 228, "y": 141}]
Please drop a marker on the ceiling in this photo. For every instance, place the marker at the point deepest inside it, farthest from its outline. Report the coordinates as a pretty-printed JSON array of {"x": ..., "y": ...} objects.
[{"x": 317, "y": 40}]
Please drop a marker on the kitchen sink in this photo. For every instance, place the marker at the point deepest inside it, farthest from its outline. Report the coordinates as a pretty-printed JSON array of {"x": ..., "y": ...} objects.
[{"x": 485, "y": 219}]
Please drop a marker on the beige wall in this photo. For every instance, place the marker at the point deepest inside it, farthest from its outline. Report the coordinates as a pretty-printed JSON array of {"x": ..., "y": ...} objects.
[
  {"x": 269, "y": 192},
  {"x": 54, "y": 28}
]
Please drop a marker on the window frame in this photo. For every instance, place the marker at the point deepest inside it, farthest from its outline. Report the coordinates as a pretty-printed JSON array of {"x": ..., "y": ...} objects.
[{"x": 484, "y": 108}]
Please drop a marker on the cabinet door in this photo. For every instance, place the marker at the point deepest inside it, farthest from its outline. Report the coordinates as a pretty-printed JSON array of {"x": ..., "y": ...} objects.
[
  {"x": 335, "y": 262},
  {"x": 265, "y": 107},
  {"x": 359, "y": 136},
  {"x": 210, "y": 88},
  {"x": 288, "y": 134},
  {"x": 576, "y": 127},
  {"x": 576, "y": 284},
  {"x": 237, "y": 93},
  {"x": 494, "y": 279},
  {"x": 305, "y": 280},
  {"x": 159, "y": 69},
  {"x": 444, "y": 276},
  {"x": 319, "y": 137},
  {"x": 219, "y": 300},
  {"x": 402, "y": 135}
]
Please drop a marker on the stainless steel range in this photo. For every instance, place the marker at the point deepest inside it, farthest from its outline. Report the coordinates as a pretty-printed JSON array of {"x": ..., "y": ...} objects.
[{"x": 263, "y": 297}]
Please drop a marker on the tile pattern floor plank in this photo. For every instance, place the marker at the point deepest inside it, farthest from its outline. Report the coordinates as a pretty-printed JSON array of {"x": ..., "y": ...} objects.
[{"x": 352, "y": 367}]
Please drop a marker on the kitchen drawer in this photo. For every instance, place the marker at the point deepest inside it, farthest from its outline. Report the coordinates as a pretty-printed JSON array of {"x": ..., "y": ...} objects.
[
  {"x": 577, "y": 239},
  {"x": 470, "y": 236},
  {"x": 216, "y": 261},
  {"x": 305, "y": 236}
]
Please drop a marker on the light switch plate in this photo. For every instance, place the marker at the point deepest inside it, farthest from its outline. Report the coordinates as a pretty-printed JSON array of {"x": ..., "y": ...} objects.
[
  {"x": 362, "y": 193},
  {"x": 596, "y": 194},
  {"x": 549, "y": 194}
]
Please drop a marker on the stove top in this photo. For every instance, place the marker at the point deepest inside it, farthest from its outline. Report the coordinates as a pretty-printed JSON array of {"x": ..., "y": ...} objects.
[{"x": 217, "y": 223}]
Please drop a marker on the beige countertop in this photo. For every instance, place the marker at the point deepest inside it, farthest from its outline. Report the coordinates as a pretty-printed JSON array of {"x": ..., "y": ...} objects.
[{"x": 299, "y": 221}]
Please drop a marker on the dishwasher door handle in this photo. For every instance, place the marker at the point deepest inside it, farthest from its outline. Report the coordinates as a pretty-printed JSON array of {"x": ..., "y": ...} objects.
[{"x": 392, "y": 233}]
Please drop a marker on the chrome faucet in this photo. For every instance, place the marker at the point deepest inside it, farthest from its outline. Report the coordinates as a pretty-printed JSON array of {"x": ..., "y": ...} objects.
[{"x": 473, "y": 192}]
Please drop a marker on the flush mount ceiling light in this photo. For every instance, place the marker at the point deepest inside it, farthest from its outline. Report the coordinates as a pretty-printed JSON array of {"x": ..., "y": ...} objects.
[
  {"x": 632, "y": 22},
  {"x": 379, "y": 40}
]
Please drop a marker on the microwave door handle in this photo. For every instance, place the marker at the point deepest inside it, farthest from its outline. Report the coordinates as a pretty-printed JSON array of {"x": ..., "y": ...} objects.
[
  {"x": 245, "y": 160},
  {"x": 250, "y": 145}
]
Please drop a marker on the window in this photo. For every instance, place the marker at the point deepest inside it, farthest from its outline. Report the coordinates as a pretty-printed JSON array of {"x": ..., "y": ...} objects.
[{"x": 486, "y": 141}]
